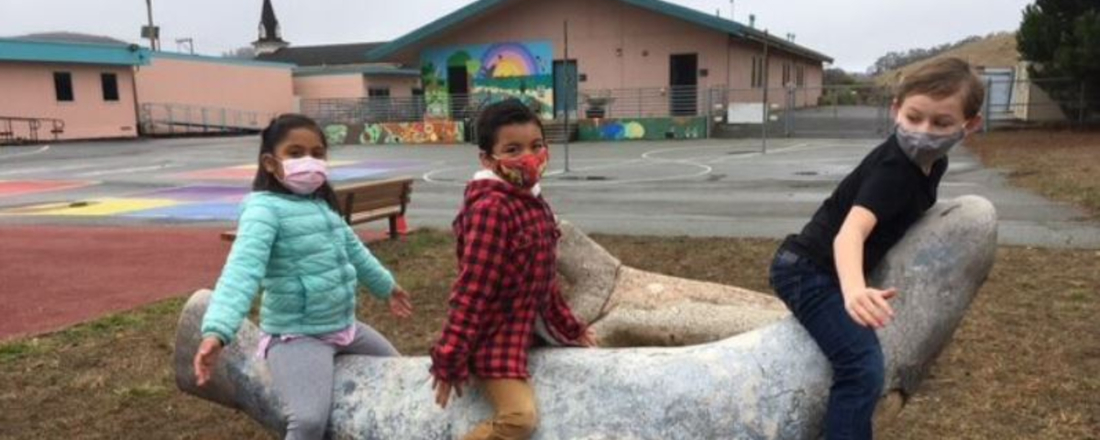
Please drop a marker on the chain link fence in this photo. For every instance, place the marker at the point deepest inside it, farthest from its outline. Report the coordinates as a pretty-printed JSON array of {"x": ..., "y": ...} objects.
[{"x": 851, "y": 111}]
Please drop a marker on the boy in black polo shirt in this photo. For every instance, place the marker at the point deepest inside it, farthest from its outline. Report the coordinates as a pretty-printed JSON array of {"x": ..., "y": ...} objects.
[{"x": 820, "y": 274}]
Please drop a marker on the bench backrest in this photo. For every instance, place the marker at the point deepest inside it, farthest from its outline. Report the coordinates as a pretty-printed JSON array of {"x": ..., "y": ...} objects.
[{"x": 369, "y": 196}]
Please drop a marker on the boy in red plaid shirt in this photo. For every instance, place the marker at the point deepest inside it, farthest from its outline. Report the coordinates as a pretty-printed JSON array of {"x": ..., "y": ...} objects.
[{"x": 507, "y": 255}]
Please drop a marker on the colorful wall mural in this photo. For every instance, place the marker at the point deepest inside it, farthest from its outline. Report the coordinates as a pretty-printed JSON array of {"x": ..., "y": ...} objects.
[
  {"x": 642, "y": 128},
  {"x": 493, "y": 72},
  {"x": 433, "y": 132}
]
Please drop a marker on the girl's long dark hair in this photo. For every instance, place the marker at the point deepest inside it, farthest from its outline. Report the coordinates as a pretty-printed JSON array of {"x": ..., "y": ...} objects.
[{"x": 275, "y": 133}]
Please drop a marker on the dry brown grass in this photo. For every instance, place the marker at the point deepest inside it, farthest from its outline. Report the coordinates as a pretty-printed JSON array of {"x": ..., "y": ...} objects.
[
  {"x": 1061, "y": 165},
  {"x": 1025, "y": 363}
]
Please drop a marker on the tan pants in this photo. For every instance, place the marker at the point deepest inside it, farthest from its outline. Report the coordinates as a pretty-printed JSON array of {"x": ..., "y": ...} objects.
[{"x": 515, "y": 416}]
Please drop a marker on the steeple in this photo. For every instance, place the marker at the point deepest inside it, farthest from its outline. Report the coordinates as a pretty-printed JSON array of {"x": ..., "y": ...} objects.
[{"x": 270, "y": 39}]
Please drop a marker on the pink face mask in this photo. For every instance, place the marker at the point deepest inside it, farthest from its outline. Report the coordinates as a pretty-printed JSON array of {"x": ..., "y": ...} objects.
[{"x": 304, "y": 175}]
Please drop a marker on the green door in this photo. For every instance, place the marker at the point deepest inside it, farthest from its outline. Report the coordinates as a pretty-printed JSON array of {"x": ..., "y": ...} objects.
[{"x": 565, "y": 88}]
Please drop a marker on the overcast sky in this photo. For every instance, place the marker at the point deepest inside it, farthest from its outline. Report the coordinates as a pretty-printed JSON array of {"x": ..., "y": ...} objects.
[{"x": 855, "y": 32}]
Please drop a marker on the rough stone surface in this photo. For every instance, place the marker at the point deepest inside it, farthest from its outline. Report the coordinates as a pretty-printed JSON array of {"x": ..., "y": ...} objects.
[{"x": 768, "y": 383}]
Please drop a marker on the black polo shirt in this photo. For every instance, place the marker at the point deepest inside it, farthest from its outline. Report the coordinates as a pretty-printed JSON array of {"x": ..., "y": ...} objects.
[{"x": 886, "y": 183}]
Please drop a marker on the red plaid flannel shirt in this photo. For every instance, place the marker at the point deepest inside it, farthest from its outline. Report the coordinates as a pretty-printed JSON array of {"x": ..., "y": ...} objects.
[{"x": 507, "y": 255}]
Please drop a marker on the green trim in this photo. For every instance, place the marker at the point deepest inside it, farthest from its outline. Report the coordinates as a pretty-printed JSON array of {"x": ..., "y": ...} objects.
[
  {"x": 78, "y": 53},
  {"x": 354, "y": 70},
  {"x": 221, "y": 60},
  {"x": 687, "y": 14}
]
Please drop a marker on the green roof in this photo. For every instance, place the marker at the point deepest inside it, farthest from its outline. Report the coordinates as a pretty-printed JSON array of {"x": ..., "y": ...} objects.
[
  {"x": 360, "y": 69},
  {"x": 672, "y": 10},
  {"x": 78, "y": 53},
  {"x": 221, "y": 60}
]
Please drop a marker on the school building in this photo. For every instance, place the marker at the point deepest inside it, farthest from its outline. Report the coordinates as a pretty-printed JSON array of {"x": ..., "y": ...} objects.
[
  {"x": 622, "y": 69},
  {"x": 614, "y": 69},
  {"x": 69, "y": 88}
]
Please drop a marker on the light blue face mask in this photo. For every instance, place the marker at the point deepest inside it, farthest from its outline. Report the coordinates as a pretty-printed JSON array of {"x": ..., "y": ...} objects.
[{"x": 923, "y": 148}]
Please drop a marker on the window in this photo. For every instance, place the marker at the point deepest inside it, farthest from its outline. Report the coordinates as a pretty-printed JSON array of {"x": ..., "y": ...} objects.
[
  {"x": 786, "y": 74},
  {"x": 63, "y": 86},
  {"x": 757, "y": 72},
  {"x": 110, "y": 86},
  {"x": 800, "y": 75},
  {"x": 416, "y": 91},
  {"x": 378, "y": 92}
]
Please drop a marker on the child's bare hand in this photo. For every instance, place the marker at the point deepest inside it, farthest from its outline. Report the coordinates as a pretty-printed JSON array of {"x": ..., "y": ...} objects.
[
  {"x": 400, "y": 304},
  {"x": 205, "y": 359},
  {"x": 443, "y": 391},
  {"x": 589, "y": 338},
  {"x": 869, "y": 307}
]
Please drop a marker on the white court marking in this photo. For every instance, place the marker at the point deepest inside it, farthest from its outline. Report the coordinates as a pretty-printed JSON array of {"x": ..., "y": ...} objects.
[
  {"x": 702, "y": 164},
  {"x": 27, "y": 153}
]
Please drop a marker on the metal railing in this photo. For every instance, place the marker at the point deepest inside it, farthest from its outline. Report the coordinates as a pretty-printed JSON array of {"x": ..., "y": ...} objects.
[
  {"x": 178, "y": 119},
  {"x": 822, "y": 111},
  {"x": 1012, "y": 102},
  {"x": 17, "y": 129}
]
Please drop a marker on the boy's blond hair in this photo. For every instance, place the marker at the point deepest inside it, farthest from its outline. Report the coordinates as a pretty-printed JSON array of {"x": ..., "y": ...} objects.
[{"x": 943, "y": 78}]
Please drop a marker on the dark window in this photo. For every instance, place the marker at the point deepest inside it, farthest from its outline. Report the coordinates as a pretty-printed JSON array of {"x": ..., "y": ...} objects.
[
  {"x": 110, "y": 86},
  {"x": 758, "y": 72},
  {"x": 378, "y": 92},
  {"x": 63, "y": 85},
  {"x": 418, "y": 92}
]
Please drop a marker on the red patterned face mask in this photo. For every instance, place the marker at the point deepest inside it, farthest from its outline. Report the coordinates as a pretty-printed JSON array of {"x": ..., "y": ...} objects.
[{"x": 523, "y": 171}]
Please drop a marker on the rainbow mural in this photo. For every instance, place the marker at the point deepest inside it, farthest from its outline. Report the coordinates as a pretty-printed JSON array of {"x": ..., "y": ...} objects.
[
  {"x": 509, "y": 60},
  {"x": 493, "y": 72}
]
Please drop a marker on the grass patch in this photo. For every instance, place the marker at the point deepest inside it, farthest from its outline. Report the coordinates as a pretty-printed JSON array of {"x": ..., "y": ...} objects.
[
  {"x": 1061, "y": 165},
  {"x": 1025, "y": 364}
]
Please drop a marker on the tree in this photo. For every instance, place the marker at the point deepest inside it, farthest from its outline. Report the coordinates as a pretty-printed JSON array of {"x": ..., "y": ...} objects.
[
  {"x": 1061, "y": 39},
  {"x": 894, "y": 60},
  {"x": 835, "y": 76}
]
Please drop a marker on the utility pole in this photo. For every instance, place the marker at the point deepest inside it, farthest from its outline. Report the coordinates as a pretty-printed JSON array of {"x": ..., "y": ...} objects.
[
  {"x": 568, "y": 93},
  {"x": 151, "y": 32},
  {"x": 767, "y": 111}
]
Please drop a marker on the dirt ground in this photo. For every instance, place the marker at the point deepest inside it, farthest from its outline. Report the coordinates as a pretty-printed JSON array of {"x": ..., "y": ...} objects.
[
  {"x": 1025, "y": 364},
  {"x": 1061, "y": 165}
]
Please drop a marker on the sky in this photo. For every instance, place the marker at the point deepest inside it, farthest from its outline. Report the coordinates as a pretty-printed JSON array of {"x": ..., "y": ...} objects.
[{"x": 854, "y": 32}]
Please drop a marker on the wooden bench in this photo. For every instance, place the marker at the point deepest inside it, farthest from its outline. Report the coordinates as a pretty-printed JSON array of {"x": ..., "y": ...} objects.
[{"x": 368, "y": 201}]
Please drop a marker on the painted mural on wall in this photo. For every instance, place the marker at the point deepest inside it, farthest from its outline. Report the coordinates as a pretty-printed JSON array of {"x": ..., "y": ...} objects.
[
  {"x": 433, "y": 132},
  {"x": 642, "y": 128},
  {"x": 493, "y": 72}
]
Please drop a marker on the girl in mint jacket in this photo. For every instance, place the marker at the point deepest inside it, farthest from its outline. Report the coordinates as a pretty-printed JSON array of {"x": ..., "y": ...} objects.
[{"x": 292, "y": 244}]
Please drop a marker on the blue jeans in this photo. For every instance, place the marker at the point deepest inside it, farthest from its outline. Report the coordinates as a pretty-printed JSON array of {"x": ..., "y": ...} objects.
[{"x": 814, "y": 297}]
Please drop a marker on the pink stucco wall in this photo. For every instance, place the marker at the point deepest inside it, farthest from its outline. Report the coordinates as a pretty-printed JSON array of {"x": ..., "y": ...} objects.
[
  {"x": 351, "y": 85},
  {"x": 330, "y": 86},
  {"x": 400, "y": 86},
  {"x": 210, "y": 82},
  {"x": 619, "y": 46},
  {"x": 27, "y": 90}
]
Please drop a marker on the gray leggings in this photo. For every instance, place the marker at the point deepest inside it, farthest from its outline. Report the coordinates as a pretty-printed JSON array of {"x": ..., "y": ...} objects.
[{"x": 302, "y": 371}]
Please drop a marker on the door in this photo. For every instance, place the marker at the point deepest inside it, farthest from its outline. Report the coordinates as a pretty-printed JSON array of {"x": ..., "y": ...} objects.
[
  {"x": 458, "y": 87},
  {"x": 683, "y": 84},
  {"x": 565, "y": 88},
  {"x": 999, "y": 82}
]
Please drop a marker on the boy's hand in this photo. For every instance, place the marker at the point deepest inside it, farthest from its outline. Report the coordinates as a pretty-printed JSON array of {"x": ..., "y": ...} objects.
[
  {"x": 400, "y": 305},
  {"x": 205, "y": 359},
  {"x": 443, "y": 391},
  {"x": 868, "y": 307},
  {"x": 588, "y": 339}
]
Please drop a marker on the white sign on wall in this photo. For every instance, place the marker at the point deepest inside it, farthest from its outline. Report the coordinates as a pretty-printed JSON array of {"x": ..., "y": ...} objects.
[{"x": 745, "y": 113}]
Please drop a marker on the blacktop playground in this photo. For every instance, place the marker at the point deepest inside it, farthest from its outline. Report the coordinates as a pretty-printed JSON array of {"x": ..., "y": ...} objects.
[{"x": 92, "y": 227}]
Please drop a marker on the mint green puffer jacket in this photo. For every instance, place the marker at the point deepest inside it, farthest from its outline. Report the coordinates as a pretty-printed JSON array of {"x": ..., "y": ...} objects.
[{"x": 308, "y": 262}]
